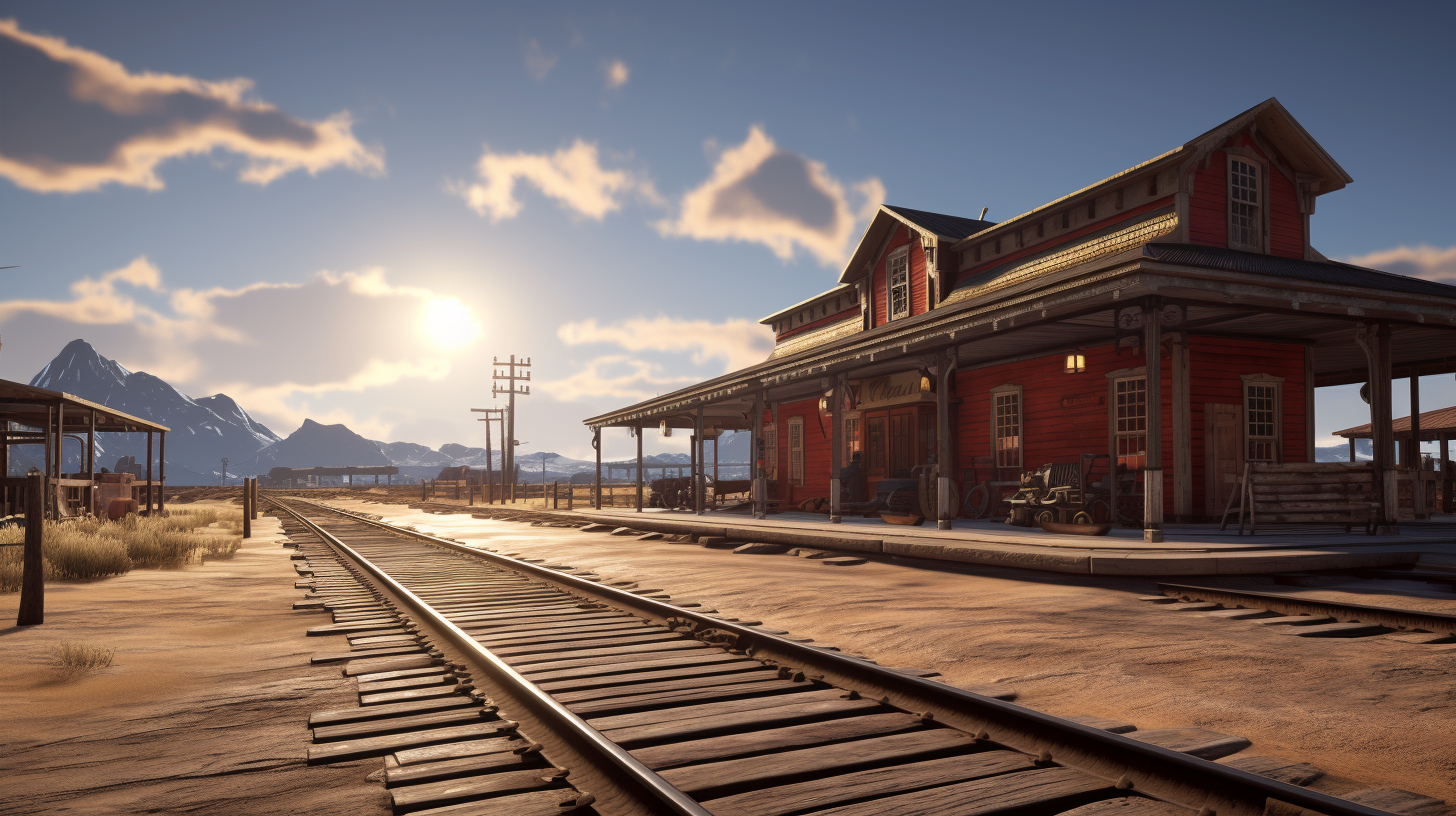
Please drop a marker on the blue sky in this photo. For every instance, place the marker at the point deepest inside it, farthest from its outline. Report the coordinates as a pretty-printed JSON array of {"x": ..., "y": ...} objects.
[{"x": 369, "y": 276}]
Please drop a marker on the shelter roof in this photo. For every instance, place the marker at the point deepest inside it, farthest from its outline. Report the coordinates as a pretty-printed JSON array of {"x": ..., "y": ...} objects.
[
  {"x": 1332, "y": 272},
  {"x": 838, "y": 291},
  {"x": 28, "y": 405},
  {"x": 1441, "y": 420}
]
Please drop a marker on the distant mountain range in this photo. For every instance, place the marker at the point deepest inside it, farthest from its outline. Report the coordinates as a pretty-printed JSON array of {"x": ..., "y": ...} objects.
[{"x": 204, "y": 430}]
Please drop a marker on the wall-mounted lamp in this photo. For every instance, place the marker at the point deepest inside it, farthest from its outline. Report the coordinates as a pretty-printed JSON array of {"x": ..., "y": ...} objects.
[
  {"x": 664, "y": 430},
  {"x": 1076, "y": 364}
]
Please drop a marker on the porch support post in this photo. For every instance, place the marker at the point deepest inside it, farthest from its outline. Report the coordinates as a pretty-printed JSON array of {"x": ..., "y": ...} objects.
[
  {"x": 1445, "y": 504},
  {"x": 1418, "y": 488},
  {"x": 1352, "y": 449},
  {"x": 91, "y": 462},
  {"x": 162, "y": 475},
  {"x": 1182, "y": 430},
  {"x": 639, "y": 465},
  {"x": 149, "y": 473},
  {"x": 698, "y": 461},
  {"x": 1309, "y": 405},
  {"x": 760, "y": 484},
  {"x": 1374, "y": 338},
  {"x": 836, "y": 447},
  {"x": 1153, "y": 473},
  {"x": 597, "y": 445},
  {"x": 944, "y": 511},
  {"x": 56, "y": 494}
]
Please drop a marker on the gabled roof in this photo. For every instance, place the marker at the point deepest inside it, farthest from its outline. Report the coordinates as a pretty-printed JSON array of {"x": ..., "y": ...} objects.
[
  {"x": 1438, "y": 421},
  {"x": 953, "y": 227},
  {"x": 1269, "y": 118},
  {"x": 838, "y": 291},
  {"x": 948, "y": 228}
]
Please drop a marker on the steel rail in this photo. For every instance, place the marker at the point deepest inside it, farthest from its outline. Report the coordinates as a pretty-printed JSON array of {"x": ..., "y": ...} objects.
[
  {"x": 1161, "y": 772},
  {"x": 1394, "y": 617},
  {"x": 625, "y": 766}
]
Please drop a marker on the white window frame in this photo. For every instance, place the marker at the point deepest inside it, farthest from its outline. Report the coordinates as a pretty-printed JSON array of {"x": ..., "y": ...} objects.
[
  {"x": 1263, "y": 386},
  {"x": 796, "y": 450},
  {"x": 1010, "y": 397},
  {"x": 897, "y": 265},
  {"x": 1240, "y": 208},
  {"x": 1122, "y": 426}
]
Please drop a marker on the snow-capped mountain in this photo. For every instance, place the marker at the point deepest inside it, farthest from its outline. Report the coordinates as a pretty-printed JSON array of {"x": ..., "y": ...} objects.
[
  {"x": 316, "y": 445},
  {"x": 203, "y": 431}
]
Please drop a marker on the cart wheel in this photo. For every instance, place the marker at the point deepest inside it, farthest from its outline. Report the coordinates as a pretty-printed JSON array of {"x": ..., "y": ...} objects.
[
  {"x": 1098, "y": 511},
  {"x": 1130, "y": 510},
  {"x": 1082, "y": 518},
  {"x": 1045, "y": 517},
  {"x": 977, "y": 503}
]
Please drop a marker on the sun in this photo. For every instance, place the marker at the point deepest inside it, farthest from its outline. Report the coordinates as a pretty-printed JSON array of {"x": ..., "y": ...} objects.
[{"x": 449, "y": 323}]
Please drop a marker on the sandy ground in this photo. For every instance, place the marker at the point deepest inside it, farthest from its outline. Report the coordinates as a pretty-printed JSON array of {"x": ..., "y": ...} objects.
[
  {"x": 1377, "y": 710},
  {"x": 204, "y": 710}
]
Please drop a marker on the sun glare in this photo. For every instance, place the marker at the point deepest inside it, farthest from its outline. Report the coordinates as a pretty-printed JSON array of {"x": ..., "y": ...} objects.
[{"x": 449, "y": 323}]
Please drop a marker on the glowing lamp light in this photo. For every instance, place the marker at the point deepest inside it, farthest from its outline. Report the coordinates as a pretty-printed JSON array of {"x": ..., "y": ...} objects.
[
  {"x": 664, "y": 430},
  {"x": 925, "y": 387},
  {"x": 1076, "y": 364}
]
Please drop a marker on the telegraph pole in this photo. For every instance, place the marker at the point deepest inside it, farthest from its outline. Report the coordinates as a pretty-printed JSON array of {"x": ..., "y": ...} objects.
[
  {"x": 492, "y": 415},
  {"x": 508, "y": 454}
]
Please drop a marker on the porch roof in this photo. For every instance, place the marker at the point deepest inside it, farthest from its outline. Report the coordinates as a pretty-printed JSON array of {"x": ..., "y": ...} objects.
[
  {"x": 28, "y": 406},
  {"x": 1434, "y": 424},
  {"x": 1225, "y": 292}
]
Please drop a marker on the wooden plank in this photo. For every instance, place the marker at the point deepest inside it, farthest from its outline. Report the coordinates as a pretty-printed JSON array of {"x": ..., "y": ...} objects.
[
  {"x": 616, "y": 660},
  {"x": 1338, "y": 630},
  {"x": 814, "y": 794},
  {"x": 394, "y": 725},
  {"x": 534, "y": 803},
  {"x": 1129, "y": 806},
  {"x": 785, "y": 711},
  {"x": 378, "y": 746},
  {"x": 1283, "y": 770},
  {"x": 380, "y": 677},
  {"x": 787, "y": 766},
  {"x": 538, "y": 635},
  {"x": 619, "y": 685},
  {"x": 583, "y": 644},
  {"x": 698, "y": 693},
  {"x": 435, "y": 794},
  {"x": 1395, "y": 800},
  {"x": 708, "y": 658},
  {"x": 1044, "y": 788},
  {"x": 392, "y": 697},
  {"x": 1197, "y": 742},
  {"x": 408, "y": 683},
  {"x": 734, "y": 745},
  {"x": 458, "y": 750},
  {"x": 338, "y": 716},
  {"x": 443, "y": 769}
]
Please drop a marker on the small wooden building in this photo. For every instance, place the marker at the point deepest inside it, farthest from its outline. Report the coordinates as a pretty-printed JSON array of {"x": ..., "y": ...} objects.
[
  {"x": 53, "y": 421},
  {"x": 1168, "y": 324}
]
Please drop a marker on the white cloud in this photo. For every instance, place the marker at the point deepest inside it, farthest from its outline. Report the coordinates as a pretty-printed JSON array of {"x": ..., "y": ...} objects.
[
  {"x": 573, "y": 176},
  {"x": 738, "y": 342},
  {"x": 283, "y": 350},
  {"x": 615, "y": 375},
  {"x": 782, "y": 200},
  {"x": 539, "y": 62},
  {"x": 1422, "y": 261},
  {"x": 617, "y": 74},
  {"x": 86, "y": 122}
]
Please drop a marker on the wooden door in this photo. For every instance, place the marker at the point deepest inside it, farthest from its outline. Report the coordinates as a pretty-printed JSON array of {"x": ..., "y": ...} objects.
[
  {"x": 874, "y": 450},
  {"x": 902, "y": 443},
  {"x": 1223, "y": 459}
]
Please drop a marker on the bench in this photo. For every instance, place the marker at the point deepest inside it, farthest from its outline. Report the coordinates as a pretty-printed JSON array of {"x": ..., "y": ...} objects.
[{"x": 1305, "y": 493}]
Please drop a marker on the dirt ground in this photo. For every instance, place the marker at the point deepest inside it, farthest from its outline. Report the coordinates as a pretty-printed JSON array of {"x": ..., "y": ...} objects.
[
  {"x": 1377, "y": 710},
  {"x": 204, "y": 710}
]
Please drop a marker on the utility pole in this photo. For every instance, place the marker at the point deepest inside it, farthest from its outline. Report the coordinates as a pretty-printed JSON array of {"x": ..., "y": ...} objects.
[
  {"x": 508, "y": 454},
  {"x": 492, "y": 415}
]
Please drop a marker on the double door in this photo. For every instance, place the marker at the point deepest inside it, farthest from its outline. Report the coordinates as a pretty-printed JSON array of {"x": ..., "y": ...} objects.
[{"x": 896, "y": 441}]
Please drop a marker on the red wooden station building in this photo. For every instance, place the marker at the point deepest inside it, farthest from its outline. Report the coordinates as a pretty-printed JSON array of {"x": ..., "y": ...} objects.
[{"x": 1168, "y": 324}]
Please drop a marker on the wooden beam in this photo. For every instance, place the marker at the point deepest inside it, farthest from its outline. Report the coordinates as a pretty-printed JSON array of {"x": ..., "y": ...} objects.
[
  {"x": 760, "y": 484},
  {"x": 639, "y": 466},
  {"x": 1153, "y": 472},
  {"x": 1182, "y": 431},
  {"x": 836, "y": 448}
]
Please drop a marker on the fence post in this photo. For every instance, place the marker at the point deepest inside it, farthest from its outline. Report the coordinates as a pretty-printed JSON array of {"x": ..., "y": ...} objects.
[
  {"x": 247, "y": 508},
  {"x": 570, "y": 495},
  {"x": 253, "y": 499},
  {"x": 32, "y": 580}
]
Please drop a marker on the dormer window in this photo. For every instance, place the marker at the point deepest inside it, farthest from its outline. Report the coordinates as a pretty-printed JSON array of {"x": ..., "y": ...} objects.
[
  {"x": 1245, "y": 219},
  {"x": 898, "y": 268}
]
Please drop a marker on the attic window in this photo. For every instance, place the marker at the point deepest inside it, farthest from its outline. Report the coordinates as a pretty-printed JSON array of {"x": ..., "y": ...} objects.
[
  {"x": 1041, "y": 229},
  {"x": 977, "y": 254},
  {"x": 1091, "y": 210},
  {"x": 1244, "y": 216},
  {"x": 1020, "y": 239},
  {"x": 1066, "y": 219},
  {"x": 898, "y": 276},
  {"x": 996, "y": 247},
  {"x": 1153, "y": 186},
  {"x": 1117, "y": 200}
]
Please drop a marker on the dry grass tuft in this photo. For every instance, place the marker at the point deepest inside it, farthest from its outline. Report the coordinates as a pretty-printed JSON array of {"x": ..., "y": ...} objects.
[
  {"x": 96, "y": 548},
  {"x": 71, "y": 658}
]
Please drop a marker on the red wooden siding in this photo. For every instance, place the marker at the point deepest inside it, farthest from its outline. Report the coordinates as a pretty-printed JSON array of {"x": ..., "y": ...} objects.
[
  {"x": 918, "y": 289},
  {"x": 1286, "y": 222},
  {"x": 879, "y": 308},
  {"x": 1208, "y": 206},
  {"x": 823, "y": 321},
  {"x": 1043, "y": 246},
  {"x": 816, "y": 452}
]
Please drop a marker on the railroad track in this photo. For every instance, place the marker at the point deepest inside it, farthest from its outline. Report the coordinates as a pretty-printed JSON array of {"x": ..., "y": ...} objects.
[
  {"x": 1307, "y": 616},
  {"x": 652, "y": 707}
]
